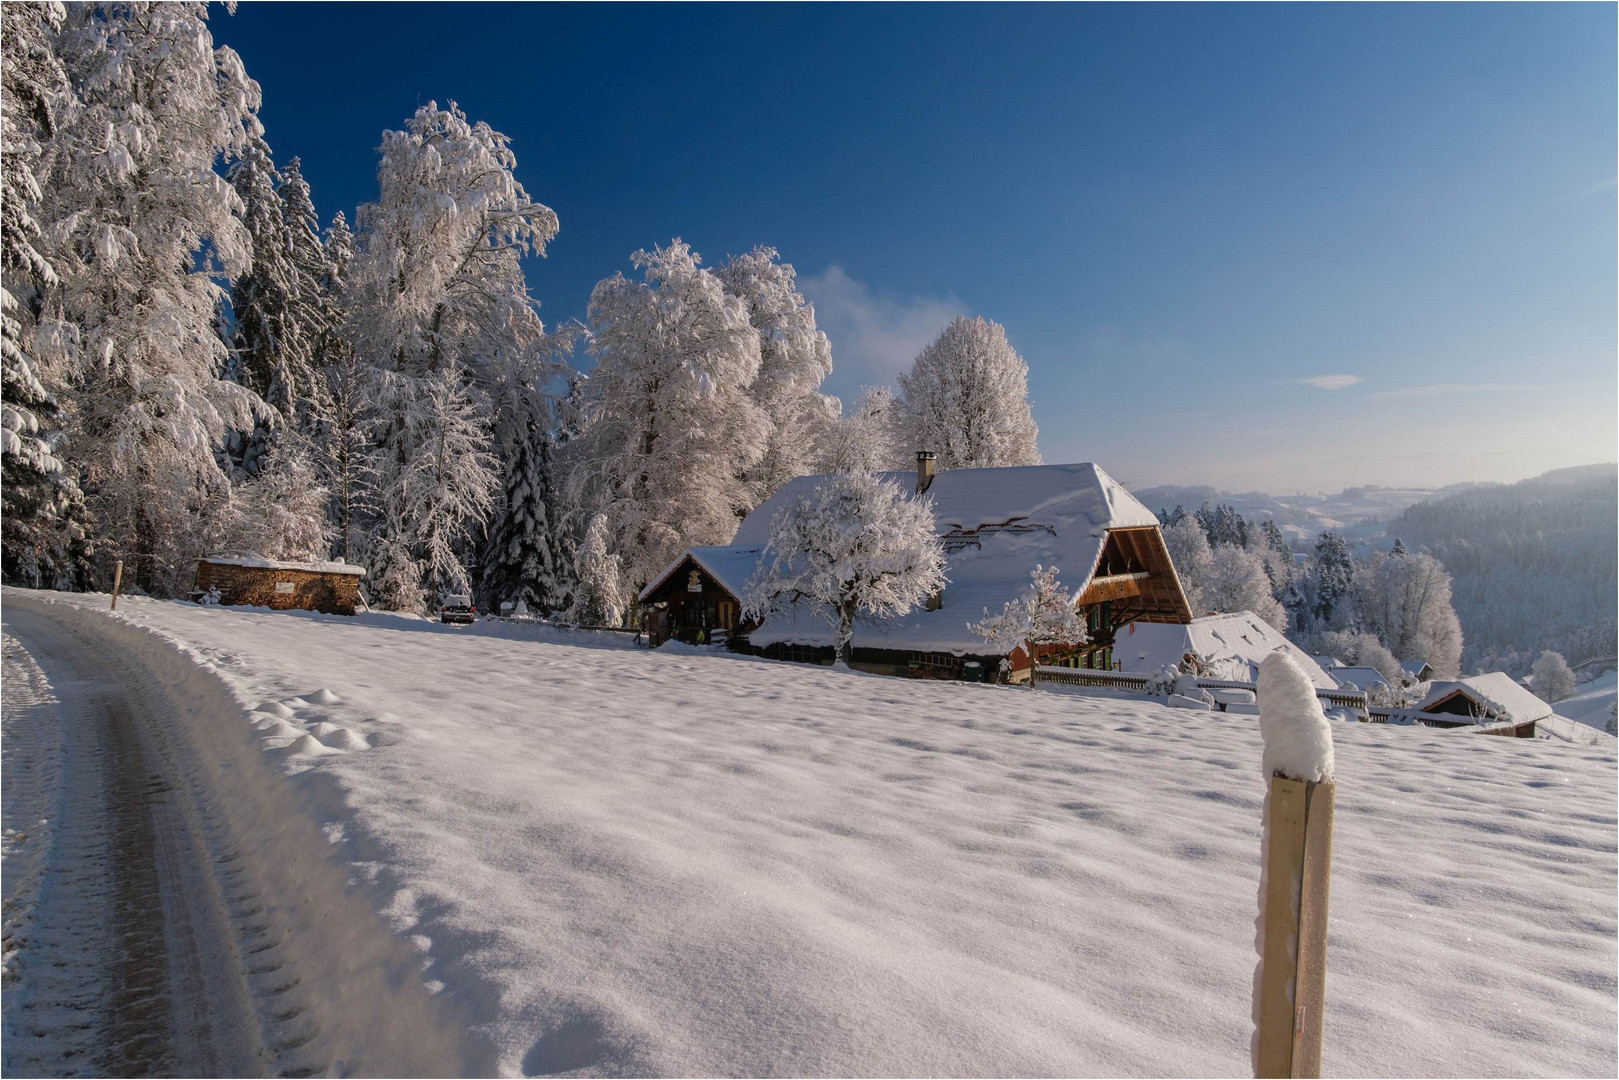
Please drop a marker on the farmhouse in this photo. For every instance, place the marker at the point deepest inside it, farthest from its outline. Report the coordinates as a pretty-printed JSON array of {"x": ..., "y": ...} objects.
[
  {"x": 996, "y": 525},
  {"x": 246, "y": 579},
  {"x": 1491, "y": 700}
]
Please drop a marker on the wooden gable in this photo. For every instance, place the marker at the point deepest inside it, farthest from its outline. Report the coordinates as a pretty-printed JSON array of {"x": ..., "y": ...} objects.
[{"x": 1135, "y": 574}]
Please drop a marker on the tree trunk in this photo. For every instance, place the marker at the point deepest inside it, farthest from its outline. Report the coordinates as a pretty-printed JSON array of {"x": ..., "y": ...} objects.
[
  {"x": 845, "y": 644},
  {"x": 1033, "y": 663}
]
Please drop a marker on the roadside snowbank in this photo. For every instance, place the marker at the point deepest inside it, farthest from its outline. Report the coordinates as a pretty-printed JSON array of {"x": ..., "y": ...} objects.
[{"x": 629, "y": 862}]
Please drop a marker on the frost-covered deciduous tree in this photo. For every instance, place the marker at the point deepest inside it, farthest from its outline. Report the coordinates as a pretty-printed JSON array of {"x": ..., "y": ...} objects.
[
  {"x": 854, "y": 545},
  {"x": 1237, "y": 582},
  {"x": 795, "y": 358},
  {"x": 1405, "y": 600},
  {"x": 1553, "y": 678},
  {"x": 1357, "y": 650},
  {"x": 863, "y": 440},
  {"x": 598, "y": 598},
  {"x": 281, "y": 514},
  {"x": 1043, "y": 615},
  {"x": 435, "y": 483},
  {"x": 436, "y": 297},
  {"x": 670, "y": 424},
  {"x": 141, "y": 229},
  {"x": 1189, "y": 553},
  {"x": 966, "y": 398}
]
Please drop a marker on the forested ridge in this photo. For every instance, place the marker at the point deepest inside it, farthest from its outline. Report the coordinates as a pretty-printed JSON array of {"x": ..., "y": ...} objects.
[{"x": 1533, "y": 564}]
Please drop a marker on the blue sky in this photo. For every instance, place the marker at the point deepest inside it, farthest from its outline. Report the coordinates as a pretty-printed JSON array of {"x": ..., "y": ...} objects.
[{"x": 1186, "y": 216}]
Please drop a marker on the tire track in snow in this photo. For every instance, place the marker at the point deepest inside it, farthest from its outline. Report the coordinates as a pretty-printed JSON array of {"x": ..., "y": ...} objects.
[
  {"x": 129, "y": 972},
  {"x": 191, "y": 920}
]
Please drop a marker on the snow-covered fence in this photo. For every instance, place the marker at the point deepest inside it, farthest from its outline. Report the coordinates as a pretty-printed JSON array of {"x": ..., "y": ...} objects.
[
  {"x": 1092, "y": 677},
  {"x": 1354, "y": 700},
  {"x": 1296, "y": 865}
]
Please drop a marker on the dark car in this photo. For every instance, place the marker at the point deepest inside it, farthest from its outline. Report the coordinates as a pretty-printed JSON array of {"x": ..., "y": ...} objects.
[{"x": 458, "y": 610}]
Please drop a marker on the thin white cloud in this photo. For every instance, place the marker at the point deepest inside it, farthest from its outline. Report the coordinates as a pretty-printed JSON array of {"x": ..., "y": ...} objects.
[
  {"x": 1328, "y": 382},
  {"x": 874, "y": 337},
  {"x": 1448, "y": 389}
]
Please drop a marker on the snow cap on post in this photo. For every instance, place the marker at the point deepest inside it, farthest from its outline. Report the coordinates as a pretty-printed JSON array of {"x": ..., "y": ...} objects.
[{"x": 1298, "y": 737}]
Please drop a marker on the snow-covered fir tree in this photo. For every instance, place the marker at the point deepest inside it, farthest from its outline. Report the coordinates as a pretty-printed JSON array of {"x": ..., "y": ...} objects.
[
  {"x": 273, "y": 340},
  {"x": 1044, "y": 614},
  {"x": 966, "y": 398},
  {"x": 41, "y": 507},
  {"x": 436, "y": 293},
  {"x": 141, "y": 230},
  {"x": 1331, "y": 575},
  {"x": 528, "y": 559},
  {"x": 795, "y": 358},
  {"x": 1553, "y": 679},
  {"x": 853, "y": 545},
  {"x": 344, "y": 454},
  {"x": 670, "y": 424}
]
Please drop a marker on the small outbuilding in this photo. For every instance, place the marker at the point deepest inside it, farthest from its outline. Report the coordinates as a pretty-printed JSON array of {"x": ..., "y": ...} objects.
[
  {"x": 1491, "y": 701},
  {"x": 1365, "y": 679},
  {"x": 244, "y": 579},
  {"x": 1417, "y": 671},
  {"x": 1226, "y": 646},
  {"x": 699, "y": 594}
]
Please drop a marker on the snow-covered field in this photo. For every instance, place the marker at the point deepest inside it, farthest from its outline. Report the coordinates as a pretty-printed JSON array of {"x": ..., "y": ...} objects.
[{"x": 615, "y": 861}]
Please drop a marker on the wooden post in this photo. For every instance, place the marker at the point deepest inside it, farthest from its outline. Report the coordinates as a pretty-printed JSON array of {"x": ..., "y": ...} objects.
[
  {"x": 117, "y": 581},
  {"x": 1298, "y": 868}
]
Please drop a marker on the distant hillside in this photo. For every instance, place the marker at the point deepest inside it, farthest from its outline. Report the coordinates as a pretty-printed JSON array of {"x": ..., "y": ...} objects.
[
  {"x": 1359, "y": 513},
  {"x": 1534, "y": 563}
]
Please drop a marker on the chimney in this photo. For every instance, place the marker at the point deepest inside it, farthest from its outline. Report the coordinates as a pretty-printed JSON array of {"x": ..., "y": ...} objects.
[{"x": 925, "y": 460}]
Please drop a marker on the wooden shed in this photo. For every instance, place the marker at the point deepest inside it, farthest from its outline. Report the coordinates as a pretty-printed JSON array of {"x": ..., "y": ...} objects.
[{"x": 243, "y": 579}]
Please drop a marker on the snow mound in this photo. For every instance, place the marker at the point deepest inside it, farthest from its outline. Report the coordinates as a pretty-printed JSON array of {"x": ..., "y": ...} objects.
[
  {"x": 344, "y": 739},
  {"x": 1184, "y": 701},
  {"x": 275, "y": 727},
  {"x": 322, "y": 696},
  {"x": 274, "y": 708},
  {"x": 1298, "y": 739},
  {"x": 304, "y": 744},
  {"x": 323, "y": 729}
]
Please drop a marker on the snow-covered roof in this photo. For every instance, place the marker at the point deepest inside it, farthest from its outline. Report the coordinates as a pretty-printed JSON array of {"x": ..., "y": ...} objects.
[
  {"x": 1500, "y": 697},
  {"x": 1233, "y": 645},
  {"x": 1358, "y": 678},
  {"x": 1060, "y": 516},
  {"x": 1414, "y": 668},
  {"x": 1327, "y": 663},
  {"x": 730, "y": 566},
  {"x": 247, "y": 558}
]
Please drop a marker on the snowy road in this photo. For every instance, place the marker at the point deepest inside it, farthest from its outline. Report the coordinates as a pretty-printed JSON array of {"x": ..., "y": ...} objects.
[{"x": 142, "y": 939}]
